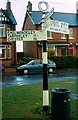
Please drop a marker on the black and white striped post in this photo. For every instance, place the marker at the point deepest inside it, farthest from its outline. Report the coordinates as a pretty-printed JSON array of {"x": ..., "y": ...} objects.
[
  {"x": 44, "y": 54},
  {"x": 45, "y": 78}
]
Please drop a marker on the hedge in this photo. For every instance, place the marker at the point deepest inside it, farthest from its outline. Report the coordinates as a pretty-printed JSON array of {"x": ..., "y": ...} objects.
[
  {"x": 61, "y": 61},
  {"x": 65, "y": 61},
  {"x": 25, "y": 59}
]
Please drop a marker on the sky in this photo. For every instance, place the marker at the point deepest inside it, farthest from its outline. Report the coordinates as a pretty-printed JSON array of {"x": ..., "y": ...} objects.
[{"x": 19, "y": 8}]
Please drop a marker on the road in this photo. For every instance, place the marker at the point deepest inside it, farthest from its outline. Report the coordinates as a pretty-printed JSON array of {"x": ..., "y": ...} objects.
[{"x": 14, "y": 79}]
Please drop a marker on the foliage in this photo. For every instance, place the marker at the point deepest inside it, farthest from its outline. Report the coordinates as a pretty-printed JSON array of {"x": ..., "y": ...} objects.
[
  {"x": 65, "y": 61},
  {"x": 51, "y": 52},
  {"x": 24, "y": 60},
  {"x": 62, "y": 62}
]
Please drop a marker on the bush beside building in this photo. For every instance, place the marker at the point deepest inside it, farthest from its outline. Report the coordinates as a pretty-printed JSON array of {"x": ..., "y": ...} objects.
[{"x": 65, "y": 61}]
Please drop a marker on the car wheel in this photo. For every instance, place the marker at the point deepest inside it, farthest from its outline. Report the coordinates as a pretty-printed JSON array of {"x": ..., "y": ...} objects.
[
  {"x": 26, "y": 71},
  {"x": 50, "y": 70}
]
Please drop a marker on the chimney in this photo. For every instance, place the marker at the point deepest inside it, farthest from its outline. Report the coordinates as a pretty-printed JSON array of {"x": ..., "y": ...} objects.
[
  {"x": 29, "y": 7},
  {"x": 77, "y": 7},
  {"x": 8, "y": 5}
]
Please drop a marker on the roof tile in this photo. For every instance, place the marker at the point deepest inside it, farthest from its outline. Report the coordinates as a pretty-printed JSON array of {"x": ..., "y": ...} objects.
[
  {"x": 10, "y": 16},
  {"x": 70, "y": 18}
]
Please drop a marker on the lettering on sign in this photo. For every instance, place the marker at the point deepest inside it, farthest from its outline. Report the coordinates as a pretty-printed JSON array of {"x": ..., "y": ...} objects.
[
  {"x": 56, "y": 26},
  {"x": 31, "y": 35}
]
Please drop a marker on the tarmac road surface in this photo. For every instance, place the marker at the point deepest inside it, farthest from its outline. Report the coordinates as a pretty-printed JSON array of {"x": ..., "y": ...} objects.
[{"x": 14, "y": 79}]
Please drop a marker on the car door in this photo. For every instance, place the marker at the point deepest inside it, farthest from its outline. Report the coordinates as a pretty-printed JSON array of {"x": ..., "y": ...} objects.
[
  {"x": 37, "y": 66},
  {"x": 40, "y": 66}
]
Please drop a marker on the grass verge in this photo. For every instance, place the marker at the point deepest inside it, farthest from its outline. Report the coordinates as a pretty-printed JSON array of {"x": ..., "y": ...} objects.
[{"x": 25, "y": 101}]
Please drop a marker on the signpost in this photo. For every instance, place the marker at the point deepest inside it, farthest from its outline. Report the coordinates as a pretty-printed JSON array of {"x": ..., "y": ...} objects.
[{"x": 36, "y": 35}]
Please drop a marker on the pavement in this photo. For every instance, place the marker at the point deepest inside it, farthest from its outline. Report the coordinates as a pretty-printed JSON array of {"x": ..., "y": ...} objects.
[
  {"x": 13, "y": 70},
  {"x": 10, "y": 70}
]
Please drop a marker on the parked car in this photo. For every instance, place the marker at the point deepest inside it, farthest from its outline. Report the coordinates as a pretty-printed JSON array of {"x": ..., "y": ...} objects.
[
  {"x": 2, "y": 68},
  {"x": 35, "y": 66}
]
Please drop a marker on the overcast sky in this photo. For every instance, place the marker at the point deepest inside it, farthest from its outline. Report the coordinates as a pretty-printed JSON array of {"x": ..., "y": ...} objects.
[{"x": 19, "y": 7}]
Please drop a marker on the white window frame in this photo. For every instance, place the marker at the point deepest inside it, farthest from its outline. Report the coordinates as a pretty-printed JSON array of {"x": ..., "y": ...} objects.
[
  {"x": 3, "y": 47},
  {"x": 71, "y": 33},
  {"x": 63, "y": 36},
  {"x": 2, "y": 30},
  {"x": 9, "y": 51},
  {"x": 49, "y": 35}
]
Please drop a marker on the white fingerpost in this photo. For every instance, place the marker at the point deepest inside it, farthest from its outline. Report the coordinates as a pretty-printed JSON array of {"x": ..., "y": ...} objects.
[{"x": 45, "y": 78}]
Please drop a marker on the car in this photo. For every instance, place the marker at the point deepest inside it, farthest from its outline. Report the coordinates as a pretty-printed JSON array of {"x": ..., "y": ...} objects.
[
  {"x": 35, "y": 66},
  {"x": 2, "y": 69}
]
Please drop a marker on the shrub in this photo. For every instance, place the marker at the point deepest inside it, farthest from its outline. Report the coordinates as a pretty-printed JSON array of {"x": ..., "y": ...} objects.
[
  {"x": 51, "y": 52},
  {"x": 65, "y": 61},
  {"x": 24, "y": 60}
]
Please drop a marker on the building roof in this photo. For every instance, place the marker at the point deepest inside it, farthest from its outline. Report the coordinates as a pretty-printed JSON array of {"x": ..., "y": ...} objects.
[
  {"x": 9, "y": 15},
  {"x": 36, "y": 16},
  {"x": 70, "y": 18}
]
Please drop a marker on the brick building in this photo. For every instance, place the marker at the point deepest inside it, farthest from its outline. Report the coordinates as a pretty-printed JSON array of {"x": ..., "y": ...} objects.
[
  {"x": 60, "y": 44},
  {"x": 7, "y": 48}
]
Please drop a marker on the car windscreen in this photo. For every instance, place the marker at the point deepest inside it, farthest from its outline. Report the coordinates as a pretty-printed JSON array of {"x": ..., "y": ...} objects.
[
  {"x": 30, "y": 63},
  {"x": 35, "y": 62}
]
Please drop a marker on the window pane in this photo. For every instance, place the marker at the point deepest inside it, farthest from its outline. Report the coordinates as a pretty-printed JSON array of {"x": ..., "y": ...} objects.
[
  {"x": 2, "y": 30},
  {"x": 63, "y": 35},
  {"x": 2, "y": 51},
  {"x": 49, "y": 34},
  {"x": 9, "y": 51},
  {"x": 71, "y": 33}
]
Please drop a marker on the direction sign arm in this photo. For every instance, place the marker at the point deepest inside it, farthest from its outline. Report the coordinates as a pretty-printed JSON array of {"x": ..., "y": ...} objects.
[{"x": 48, "y": 15}]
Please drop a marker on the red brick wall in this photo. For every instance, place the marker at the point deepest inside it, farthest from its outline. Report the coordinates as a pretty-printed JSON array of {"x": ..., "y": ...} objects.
[
  {"x": 12, "y": 60},
  {"x": 29, "y": 25},
  {"x": 56, "y": 36},
  {"x": 30, "y": 48},
  {"x": 8, "y": 62}
]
